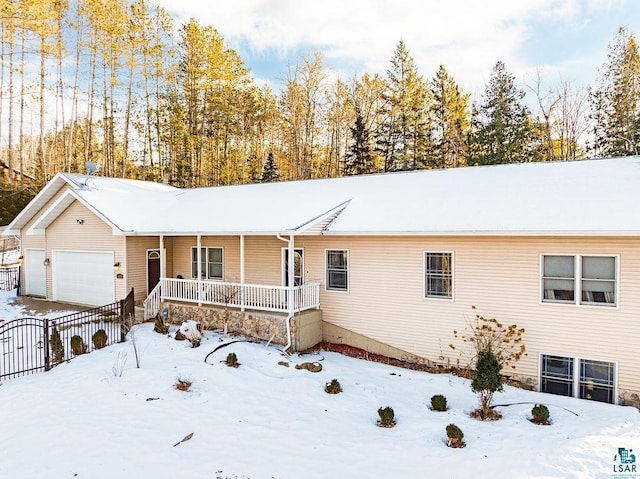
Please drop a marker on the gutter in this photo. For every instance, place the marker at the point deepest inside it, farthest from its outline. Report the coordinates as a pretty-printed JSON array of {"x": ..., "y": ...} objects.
[{"x": 488, "y": 233}]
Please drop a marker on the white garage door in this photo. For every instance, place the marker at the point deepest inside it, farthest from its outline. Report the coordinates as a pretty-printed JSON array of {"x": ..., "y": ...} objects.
[
  {"x": 35, "y": 272},
  {"x": 83, "y": 277}
]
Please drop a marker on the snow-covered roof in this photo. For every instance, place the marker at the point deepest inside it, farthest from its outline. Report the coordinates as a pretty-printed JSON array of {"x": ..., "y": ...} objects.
[{"x": 590, "y": 197}]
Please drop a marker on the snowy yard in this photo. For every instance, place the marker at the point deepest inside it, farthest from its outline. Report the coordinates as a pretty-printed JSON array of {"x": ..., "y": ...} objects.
[
  {"x": 264, "y": 420},
  {"x": 11, "y": 310}
]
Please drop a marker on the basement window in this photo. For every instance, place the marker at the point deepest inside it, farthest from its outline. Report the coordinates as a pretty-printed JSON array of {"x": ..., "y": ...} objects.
[{"x": 575, "y": 377}]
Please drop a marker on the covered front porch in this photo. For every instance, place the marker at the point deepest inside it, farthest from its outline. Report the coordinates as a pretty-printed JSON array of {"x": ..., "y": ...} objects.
[
  {"x": 278, "y": 299},
  {"x": 218, "y": 270}
]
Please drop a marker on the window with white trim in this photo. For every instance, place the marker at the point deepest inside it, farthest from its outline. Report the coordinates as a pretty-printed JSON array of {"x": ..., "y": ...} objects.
[
  {"x": 337, "y": 270},
  {"x": 583, "y": 378},
  {"x": 597, "y": 380},
  {"x": 556, "y": 376},
  {"x": 584, "y": 278},
  {"x": 212, "y": 262},
  {"x": 438, "y": 275}
]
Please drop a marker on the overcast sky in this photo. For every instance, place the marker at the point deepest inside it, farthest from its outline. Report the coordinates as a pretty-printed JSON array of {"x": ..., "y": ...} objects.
[{"x": 563, "y": 38}]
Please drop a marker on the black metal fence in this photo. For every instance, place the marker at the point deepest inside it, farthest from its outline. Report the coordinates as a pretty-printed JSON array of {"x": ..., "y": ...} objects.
[
  {"x": 9, "y": 278},
  {"x": 31, "y": 345}
]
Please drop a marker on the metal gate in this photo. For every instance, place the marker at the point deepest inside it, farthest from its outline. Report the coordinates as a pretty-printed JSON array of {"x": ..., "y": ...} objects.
[
  {"x": 31, "y": 345},
  {"x": 9, "y": 278}
]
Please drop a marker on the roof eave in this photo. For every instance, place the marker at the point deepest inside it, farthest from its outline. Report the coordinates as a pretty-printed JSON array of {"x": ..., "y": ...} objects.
[
  {"x": 30, "y": 211},
  {"x": 208, "y": 233},
  {"x": 50, "y": 215},
  {"x": 594, "y": 233}
]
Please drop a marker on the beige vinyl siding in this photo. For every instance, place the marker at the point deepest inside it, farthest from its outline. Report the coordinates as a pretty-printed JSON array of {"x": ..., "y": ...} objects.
[
  {"x": 36, "y": 241},
  {"x": 93, "y": 235},
  {"x": 501, "y": 277},
  {"x": 263, "y": 260},
  {"x": 136, "y": 265},
  {"x": 181, "y": 255}
]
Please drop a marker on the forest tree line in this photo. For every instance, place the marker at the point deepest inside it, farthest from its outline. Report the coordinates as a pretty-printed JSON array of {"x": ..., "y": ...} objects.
[{"x": 115, "y": 83}]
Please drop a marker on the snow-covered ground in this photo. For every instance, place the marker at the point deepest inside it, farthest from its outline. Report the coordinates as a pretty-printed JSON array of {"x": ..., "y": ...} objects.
[
  {"x": 9, "y": 310},
  {"x": 263, "y": 420}
]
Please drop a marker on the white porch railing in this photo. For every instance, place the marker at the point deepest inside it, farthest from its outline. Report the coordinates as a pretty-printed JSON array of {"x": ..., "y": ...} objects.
[
  {"x": 247, "y": 296},
  {"x": 152, "y": 303}
]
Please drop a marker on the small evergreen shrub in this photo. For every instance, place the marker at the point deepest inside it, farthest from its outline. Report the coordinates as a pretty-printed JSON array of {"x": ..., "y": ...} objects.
[
  {"x": 540, "y": 414},
  {"x": 99, "y": 339},
  {"x": 454, "y": 436},
  {"x": 438, "y": 402},
  {"x": 487, "y": 380},
  {"x": 496, "y": 346},
  {"x": 232, "y": 360},
  {"x": 56, "y": 346},
  {"x": 387, "y": 417},
  {"x": 77, "y": 345},
  {"x": 160, "y": 326},
  {"x": 333, "y": 387}
]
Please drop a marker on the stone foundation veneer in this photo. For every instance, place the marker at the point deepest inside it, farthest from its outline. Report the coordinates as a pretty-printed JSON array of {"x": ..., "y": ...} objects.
[{"x": 306, "y": 330}]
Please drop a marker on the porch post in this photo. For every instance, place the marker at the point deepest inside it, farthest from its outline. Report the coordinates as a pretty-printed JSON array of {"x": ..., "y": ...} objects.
[
  {"x": 242, "y": 292},
  {"x": 163, "y": 260},
  {"x": 291, "y": 271},
  {"x": 199, "y": 243}
]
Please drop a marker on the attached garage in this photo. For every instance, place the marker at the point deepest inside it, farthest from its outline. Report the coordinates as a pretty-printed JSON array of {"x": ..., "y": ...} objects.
[
  {"x": 83, "y": 277},
  {"x": 35, "y": 272}
]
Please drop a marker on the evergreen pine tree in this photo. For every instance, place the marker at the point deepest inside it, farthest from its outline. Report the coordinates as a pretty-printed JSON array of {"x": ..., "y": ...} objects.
[
  {"x": 359, "y": 159},
  {"x": 270, "y": 173},
  {"x": 502, "y": 128},
  {"x": 404, "y": 138},
  {"x": 615, "y": 104},
  {"x": 451, "y": 122}
]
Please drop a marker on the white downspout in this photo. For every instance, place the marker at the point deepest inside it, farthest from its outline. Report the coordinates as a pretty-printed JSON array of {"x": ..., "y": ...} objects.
[
  {"x": 290, "y": 314},
  {"x": 199, "y": 242}
]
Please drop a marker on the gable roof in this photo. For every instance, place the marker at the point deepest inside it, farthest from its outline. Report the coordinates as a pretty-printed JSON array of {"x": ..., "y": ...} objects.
[{"x": 588, "y": 197}]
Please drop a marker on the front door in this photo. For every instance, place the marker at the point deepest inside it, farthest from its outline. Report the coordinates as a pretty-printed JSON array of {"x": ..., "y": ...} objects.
[
  {"x": 153, "y": 269},
  {"x": 298, "y": 267}
]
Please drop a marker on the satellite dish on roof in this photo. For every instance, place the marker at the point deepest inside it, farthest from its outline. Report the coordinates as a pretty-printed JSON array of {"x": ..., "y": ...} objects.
[{"x": 91, "y": 167}]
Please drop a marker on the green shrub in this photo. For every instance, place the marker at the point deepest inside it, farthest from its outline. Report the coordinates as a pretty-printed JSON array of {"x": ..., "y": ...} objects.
[
  {"x": 160, "y": 326},
  {"x": 540, "y": 414},
  {"x": 232, "y": 360},
  {"x": 439, "y": 402},
  {"x": 387, "y": 417},
  {"x": 77, "y": 345},
  {"x": 487, "y": 380},
  {"x": 496, "y": 346},
  {"x": 333, "y": 387},
  {"x": 56, "y": 346},
  {"x": 99, "y": 339},
  {"x": 454, "y": 436}
]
